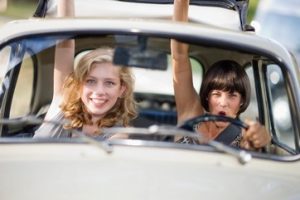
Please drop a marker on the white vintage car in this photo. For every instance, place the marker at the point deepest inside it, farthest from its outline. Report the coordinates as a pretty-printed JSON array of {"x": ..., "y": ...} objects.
[{"x": 148, "y": 164}]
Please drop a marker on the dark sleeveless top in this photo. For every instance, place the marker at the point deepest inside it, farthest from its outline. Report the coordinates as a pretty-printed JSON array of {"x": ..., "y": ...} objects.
[{"x": 231, "y": 135}]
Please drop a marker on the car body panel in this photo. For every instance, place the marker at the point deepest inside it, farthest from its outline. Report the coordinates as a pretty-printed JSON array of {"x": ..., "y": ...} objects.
[{"x": 60, "y": 171}]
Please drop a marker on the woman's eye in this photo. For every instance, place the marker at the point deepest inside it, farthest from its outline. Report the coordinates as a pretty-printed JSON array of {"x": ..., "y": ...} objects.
[
  {"x": 215, "y": 93},
  {"x": 233, "y": 95},
  {"x": 90, "y": 81},
  {"x": 110, "y": 83}
]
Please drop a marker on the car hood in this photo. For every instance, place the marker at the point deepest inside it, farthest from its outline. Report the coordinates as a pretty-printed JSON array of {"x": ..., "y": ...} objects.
[{"x": 80, "y": 171}]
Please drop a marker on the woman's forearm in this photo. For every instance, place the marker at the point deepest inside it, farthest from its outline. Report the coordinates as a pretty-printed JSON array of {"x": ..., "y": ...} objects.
[
  {"x": 65, "y": 8},
  {"x": 64, "y": 51},
  {"x": 187, "y": 101}
]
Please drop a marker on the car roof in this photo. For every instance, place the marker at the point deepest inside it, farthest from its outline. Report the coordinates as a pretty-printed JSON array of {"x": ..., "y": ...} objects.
[
  {"x": 238, "y": 39},
  {"x": 224, "y": 13}
]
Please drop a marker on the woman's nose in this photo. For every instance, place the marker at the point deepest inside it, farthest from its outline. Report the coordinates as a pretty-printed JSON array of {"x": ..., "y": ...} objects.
[
  {"x": 100, "y": 89},
  {"x": 223, "y": 100}
]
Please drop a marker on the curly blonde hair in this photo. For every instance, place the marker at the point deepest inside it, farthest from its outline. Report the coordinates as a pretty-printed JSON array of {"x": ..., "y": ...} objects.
[{"x": 74, "y": 109}]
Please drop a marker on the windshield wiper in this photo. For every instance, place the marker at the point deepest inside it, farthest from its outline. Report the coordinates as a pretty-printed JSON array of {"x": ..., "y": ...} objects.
[
  {"x": 242, "y": 156},
  {"x": 103, "y": 144}
]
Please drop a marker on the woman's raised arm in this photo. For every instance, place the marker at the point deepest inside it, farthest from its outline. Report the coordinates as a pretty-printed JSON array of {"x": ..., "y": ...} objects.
[
  {"x": 187, "y": 100},
  {"x": 64, "y": 51}
]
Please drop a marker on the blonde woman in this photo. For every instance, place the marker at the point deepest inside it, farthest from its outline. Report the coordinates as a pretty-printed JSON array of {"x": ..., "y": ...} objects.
[{"x": 92, "y": 95}]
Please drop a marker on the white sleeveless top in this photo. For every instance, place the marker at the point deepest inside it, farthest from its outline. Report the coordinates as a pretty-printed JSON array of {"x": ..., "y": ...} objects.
[{"x": 53, "y": 129}]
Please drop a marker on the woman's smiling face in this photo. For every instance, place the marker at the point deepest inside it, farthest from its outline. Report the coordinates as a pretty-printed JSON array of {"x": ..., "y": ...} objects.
[{"x": 101, "y": 89}]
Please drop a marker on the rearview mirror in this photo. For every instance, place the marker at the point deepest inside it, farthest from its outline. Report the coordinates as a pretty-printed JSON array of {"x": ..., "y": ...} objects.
[{"x": 133, "y": 57}]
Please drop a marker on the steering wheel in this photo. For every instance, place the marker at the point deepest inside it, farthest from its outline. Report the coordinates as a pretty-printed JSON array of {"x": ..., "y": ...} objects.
[{"x": 189, "y": 124}]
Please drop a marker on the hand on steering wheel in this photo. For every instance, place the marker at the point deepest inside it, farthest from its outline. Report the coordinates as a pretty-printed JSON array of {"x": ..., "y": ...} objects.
[
  {"x": 254, "y": 134},
  {"x": 189, "y": 124}
]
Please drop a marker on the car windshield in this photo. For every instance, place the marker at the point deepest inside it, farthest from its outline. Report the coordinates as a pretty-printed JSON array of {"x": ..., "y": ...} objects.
[{"x": 27, "y": 67}]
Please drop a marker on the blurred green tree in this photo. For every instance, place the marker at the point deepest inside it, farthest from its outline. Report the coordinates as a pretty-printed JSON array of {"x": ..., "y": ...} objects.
[
  {"x": 19, "y": 8},
  {"x": 252, "y": 9}
]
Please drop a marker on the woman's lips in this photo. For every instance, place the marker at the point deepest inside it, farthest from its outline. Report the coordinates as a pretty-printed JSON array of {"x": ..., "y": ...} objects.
[
  {"x": 222, "y": 113},
  {"x": 98, "y": 102}
]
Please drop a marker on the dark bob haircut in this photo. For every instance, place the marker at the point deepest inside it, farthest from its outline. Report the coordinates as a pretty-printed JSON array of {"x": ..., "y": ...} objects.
[{"x": 226, "y": 75}]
